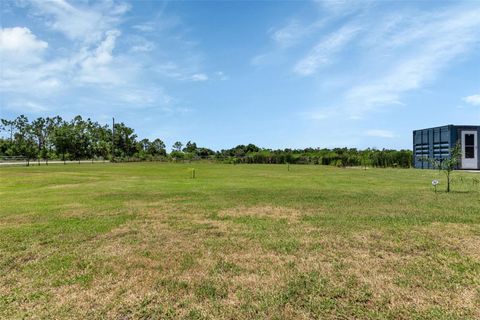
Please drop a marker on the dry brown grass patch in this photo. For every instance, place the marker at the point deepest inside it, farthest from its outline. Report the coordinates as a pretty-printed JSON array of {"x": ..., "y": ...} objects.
[
  {"x": 456, "y": 236},
  {"x": 275, "y": 212}
]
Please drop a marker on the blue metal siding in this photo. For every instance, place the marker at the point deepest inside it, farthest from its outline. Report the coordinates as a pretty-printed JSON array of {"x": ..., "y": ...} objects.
[
  {"x": 435, "y": 143},
  {"x": 423, "y": 147}
]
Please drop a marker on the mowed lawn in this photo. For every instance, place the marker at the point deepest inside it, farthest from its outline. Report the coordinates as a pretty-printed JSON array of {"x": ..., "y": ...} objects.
[{"x": 146, "y": 241}]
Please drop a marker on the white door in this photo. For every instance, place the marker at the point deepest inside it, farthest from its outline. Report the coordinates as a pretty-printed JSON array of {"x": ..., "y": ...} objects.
[{"x": 469, "y": 150}]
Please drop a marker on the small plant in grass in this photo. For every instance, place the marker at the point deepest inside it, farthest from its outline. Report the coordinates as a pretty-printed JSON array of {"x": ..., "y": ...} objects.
[
  {"x": 474, "y": 182},
  {"x": 448, "y": 165},
  {"x": 208, "y": 290}
]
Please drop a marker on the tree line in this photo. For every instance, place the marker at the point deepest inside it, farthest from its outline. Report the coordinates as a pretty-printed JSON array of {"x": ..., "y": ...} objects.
[{"x": 76, "y": 139}]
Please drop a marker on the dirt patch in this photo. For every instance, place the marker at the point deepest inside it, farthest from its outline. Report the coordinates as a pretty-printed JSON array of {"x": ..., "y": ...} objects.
[
  {"x": 164, "y": 256},
  {"x": 381, "y": 268},
  {"x": 264, "y": 212},
  {"x": 456, "y": 236},
  {"x": 65, "y": 186}
]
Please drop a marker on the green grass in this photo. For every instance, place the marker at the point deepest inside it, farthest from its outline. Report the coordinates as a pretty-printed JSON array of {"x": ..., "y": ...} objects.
[{"x": 145, "y": 241}]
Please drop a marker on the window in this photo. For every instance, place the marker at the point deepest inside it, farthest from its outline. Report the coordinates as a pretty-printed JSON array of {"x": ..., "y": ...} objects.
[{"x": 469, "y": 146}]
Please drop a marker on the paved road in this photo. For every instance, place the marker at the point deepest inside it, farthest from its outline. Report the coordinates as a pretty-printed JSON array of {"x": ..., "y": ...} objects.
[{"x": 35, "y": 163}]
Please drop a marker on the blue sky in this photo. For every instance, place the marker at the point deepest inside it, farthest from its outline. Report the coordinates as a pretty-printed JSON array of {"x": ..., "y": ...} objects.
[{"x": 276, "y": 74}]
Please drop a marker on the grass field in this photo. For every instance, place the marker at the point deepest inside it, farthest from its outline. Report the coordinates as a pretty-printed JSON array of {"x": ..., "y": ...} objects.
[{"x": 145, "y": 241}]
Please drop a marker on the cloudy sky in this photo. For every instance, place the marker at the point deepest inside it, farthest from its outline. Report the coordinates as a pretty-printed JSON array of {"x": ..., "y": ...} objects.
[{"x": 277, "y": 74}]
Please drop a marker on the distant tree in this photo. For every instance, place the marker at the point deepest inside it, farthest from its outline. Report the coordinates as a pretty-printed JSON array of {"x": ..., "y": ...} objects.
[
  {"x": 79, "y": 138},
  {"x": 50, "y": 126},
  {"x": 26, "y": 146},
  {"x": 157, "y": 148},
  {"x": 204, "y": 152},
  {"x": 99, "y": 138},
  {"x": 251, "y": 148},
  {"x": 177, "y": 146},
  {"x": 23, "y": 139},
  {"x": 80, "y": 146},
  {"x": 62, "y": 139},
  {"x": 239, "y": 151},
  {"x": 6, "y": 147},
  {"x": 190, "y": 147},
  {"x": 103, "y": 149},
  {"x": 366, "y": 158},
  {"x": 9, "y": 126},
  {"x": 40, "y": 134},
  {"x": 125, "y": 141},
  {"x": 143, "y": 145}
]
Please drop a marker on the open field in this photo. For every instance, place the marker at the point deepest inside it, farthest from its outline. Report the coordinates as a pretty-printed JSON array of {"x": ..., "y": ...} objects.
[{"x": 144, "y": 240}]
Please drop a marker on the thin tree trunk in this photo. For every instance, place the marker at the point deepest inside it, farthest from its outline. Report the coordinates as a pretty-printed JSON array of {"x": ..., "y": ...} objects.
[{"x": 448, "y": 182}]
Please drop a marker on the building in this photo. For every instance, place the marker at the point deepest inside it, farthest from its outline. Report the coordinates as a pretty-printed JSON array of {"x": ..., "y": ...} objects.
[{"x": 435, "y": 143}]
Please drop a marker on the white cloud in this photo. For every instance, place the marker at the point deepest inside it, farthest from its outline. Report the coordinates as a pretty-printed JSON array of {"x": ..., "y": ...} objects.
[
  {"x": 394, "y": 53},
  {"x": 221, "y": 75},
  {"x": 81, "y": 22},
  {"x": 94, "y": 67},
  {"x": 92, "y": 39},
  {"x": 289, "y": 34},
  {"x": 169, "y": 69},
  {"x": 444, "y": 38},
  {"x": 145, "y": 27},
  {"x": 474, "y": 100},
  {"x": 20, "y": 45},
  {"x": 94, "y": 62},
  {"x": 199, "y": 77},
  {"x": 145, "y": 47},
  {"x": 324, "y": 52},
  {"x": 174, "y": 71},
  {"x": 23, "y": 68},
  {"x": 159, "y": 23},
  {"x": 380, "y": 133},
  {"x": 343, "y": 7},
  {"x": 285, "y": 37},
  {"x": 319, "y": 114},
  {"x": 27, "y": 71},
  {"x": 142, "y": 97},
  {"x": 295, "y": 31},
  {"x": 26, "y": 106},
  {"x": 103, "y": 53},
  {"x": 20, "y": 39},
  {"x": 259, "y": 59},
  {"x": 89, "y": 67}
]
